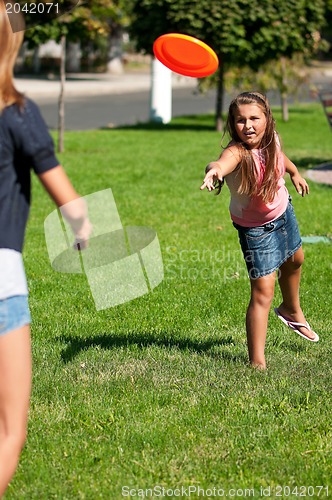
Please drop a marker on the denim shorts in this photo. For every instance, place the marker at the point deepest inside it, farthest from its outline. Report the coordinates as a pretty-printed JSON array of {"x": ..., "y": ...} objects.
[
  {"x": 265, "y": 248},
  {"x": 14, "y": 313}
]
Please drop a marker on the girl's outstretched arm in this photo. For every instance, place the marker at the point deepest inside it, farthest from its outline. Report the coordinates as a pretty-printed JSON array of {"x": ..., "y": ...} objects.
[
  {"x": 217, "y": 170},
  {"x": 74, "y": 209},
  {"x": 299, "y": 182}
]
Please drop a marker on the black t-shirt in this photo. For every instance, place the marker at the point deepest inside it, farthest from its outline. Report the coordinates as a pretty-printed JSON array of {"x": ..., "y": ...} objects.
[{"x": 25, "y": 143}]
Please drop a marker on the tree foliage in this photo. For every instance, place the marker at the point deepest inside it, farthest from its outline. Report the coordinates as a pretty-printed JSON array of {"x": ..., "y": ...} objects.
[
  {"x": 251, "y": 32},
  {"x": 85, "y": 23}
]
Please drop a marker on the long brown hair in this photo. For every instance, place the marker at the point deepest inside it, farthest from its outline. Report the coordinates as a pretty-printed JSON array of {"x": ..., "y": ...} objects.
[
  {"x": 10, "y": 44},
  {"x": 268, "y": 147}
]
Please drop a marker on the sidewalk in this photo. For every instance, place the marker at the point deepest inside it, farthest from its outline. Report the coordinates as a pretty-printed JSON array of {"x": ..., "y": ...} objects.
[{"x": 80, "y": 84}]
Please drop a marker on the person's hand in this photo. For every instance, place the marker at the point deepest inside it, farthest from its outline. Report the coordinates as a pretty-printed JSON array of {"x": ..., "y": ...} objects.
[
  {"x": 82, "y": 235},
  {"x": 213, "y": 177},
  {"x": 300, "y": 184}
]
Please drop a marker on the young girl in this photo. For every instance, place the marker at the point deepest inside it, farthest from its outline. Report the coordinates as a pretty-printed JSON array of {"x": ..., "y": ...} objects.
[
  {"x": 253, "y": 166},
  {"x": 24, "y": 143}
]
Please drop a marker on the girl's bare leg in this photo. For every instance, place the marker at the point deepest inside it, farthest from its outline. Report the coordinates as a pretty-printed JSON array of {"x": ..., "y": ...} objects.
[
  {"x": 15, "y": 388},
  {"x": 262, "y": 292},
  {"x": 289, "y": 282}
]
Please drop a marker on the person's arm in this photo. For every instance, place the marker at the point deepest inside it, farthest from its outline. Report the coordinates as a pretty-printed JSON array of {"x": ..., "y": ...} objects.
[
  {"x": 217, "y": 170},
  {"x": 298, "y": 181},
  {"x": 73, "y": 208}
]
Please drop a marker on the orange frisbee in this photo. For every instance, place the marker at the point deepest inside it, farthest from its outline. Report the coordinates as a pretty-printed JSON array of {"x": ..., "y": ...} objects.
[{"x": 185, "y": 55}]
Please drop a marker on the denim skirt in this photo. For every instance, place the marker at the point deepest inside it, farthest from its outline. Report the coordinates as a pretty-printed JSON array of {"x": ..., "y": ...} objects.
[
  {"x": 265, "y": 248},
  {"x": 14, "y": 313}
]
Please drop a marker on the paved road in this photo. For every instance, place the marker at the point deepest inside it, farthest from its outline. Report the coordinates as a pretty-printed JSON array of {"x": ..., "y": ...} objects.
[{"x": 93, "y": 111}]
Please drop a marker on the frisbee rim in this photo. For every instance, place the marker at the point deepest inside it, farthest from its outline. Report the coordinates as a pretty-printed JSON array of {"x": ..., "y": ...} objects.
[{"x": 185, "y": 68}]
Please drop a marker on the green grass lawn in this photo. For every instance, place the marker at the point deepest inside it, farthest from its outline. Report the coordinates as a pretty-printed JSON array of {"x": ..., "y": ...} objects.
[{"x": 157, "y": 392}]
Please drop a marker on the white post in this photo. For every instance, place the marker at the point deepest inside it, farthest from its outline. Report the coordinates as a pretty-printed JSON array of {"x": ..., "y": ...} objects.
[{"x": 161, "y": 93}]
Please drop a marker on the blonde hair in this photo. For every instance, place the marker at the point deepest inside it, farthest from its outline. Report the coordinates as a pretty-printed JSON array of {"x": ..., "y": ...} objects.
[
  {"x": 249, "y": 186},
  {"x": 10, "y": 44}
]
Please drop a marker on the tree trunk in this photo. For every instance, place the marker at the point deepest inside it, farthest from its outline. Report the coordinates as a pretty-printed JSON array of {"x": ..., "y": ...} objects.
[
  {"x": 220, "y": 96},
  {"x": 284, "y": 106},
  {"x": 61, "y": 124},
  {"x": 36, "y": 61},
  {"x": 90, "y": 56},
  {"x": 283, "y": 89}
]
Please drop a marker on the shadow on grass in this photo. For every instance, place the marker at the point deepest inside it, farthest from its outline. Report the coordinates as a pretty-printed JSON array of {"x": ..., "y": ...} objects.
[
  {"x": 325, "y": 166},
  {"x": 142, "y": 340},
  {"x": 196, "y": 123},
  {"x": 300, "y": 109},
  {"x": 312, "y": 162}
]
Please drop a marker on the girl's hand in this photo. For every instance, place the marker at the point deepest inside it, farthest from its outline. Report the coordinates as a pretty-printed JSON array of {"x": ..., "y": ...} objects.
[
  {"x": 300, "y": 184},
  {"x": 82, "y": 235},
  {"x": 213, "y": 176}
]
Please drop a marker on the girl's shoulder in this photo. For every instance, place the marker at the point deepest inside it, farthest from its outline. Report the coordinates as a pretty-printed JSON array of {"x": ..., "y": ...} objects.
[
  {"x": 234, "y": 149},
  {"x": 231, "y": 157}
]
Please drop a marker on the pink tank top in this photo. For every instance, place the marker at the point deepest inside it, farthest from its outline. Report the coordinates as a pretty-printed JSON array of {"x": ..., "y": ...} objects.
[{"x": 252, "y": 211}]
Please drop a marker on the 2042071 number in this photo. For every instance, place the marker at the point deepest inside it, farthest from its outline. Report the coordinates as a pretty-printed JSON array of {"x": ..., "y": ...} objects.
[
  {"x": 32, "y": 8},
  {"x": 301, "y": 491}
]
